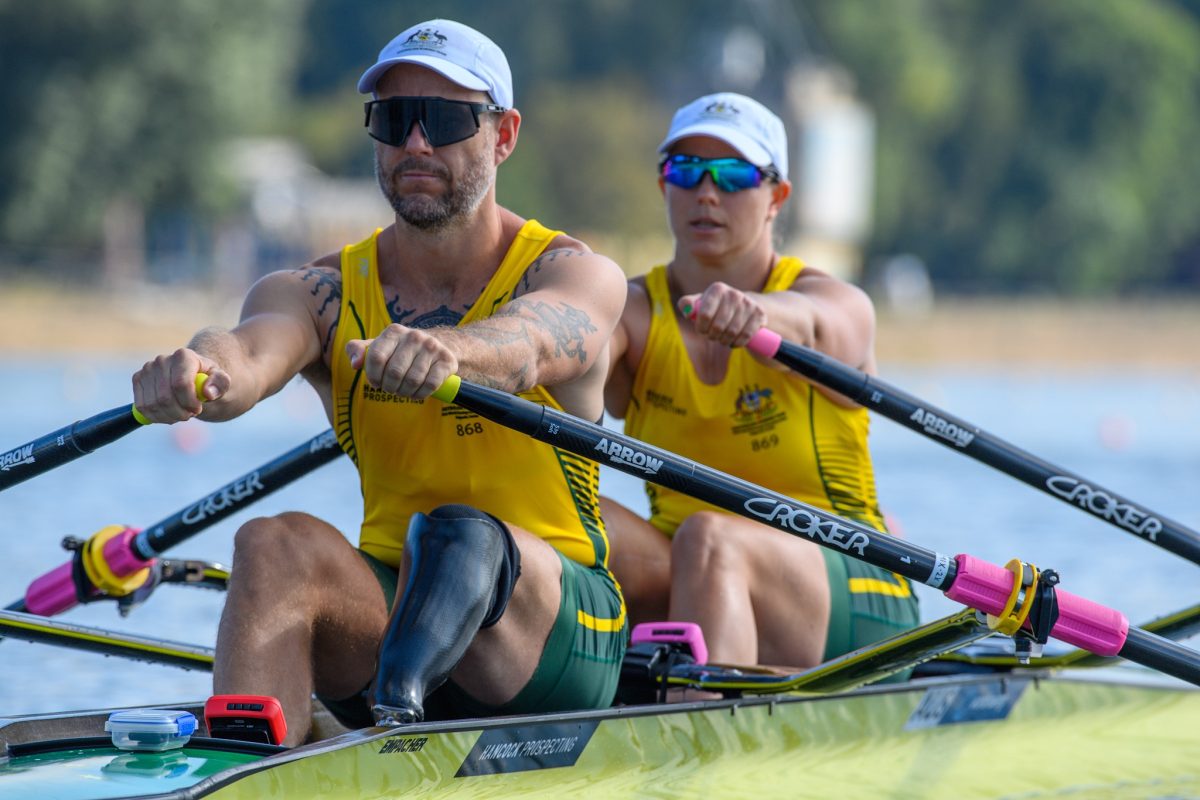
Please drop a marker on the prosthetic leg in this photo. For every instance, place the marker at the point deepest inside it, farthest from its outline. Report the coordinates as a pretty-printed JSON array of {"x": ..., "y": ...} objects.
[{"x": 464, "y": 565}]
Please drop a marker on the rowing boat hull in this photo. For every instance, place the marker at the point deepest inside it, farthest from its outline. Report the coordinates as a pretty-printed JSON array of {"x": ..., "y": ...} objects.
[{"x": 979, "y": 736}]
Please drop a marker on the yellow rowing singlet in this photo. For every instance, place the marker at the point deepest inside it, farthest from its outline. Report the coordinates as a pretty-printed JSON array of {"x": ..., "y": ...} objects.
[
  {"x": 416, "y": 455},
  {"x": 763, "y": 425}
]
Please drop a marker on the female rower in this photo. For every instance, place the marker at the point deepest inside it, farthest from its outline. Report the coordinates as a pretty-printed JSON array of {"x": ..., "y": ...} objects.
[{"x": 682, "y": 382}]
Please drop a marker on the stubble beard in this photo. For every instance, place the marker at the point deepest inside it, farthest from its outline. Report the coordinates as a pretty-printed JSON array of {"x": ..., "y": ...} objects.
[{"x": 435, "y": 214}]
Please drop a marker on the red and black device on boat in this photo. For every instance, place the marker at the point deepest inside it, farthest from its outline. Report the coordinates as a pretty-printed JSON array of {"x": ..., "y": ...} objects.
[{"x": 246, "y": 718}]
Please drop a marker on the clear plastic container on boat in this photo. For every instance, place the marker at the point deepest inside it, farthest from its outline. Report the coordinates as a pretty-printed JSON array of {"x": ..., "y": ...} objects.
[{"x": 150, "y": 728}]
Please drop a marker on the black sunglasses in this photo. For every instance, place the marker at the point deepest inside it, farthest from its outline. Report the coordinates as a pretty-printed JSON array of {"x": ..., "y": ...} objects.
[{"x": 442, "y": 121}]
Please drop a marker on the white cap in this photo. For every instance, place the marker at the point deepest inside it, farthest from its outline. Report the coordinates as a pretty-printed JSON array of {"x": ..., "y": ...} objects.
[
  {"x": 462, "y": 54},
  {"x": 743, "y": 123}
]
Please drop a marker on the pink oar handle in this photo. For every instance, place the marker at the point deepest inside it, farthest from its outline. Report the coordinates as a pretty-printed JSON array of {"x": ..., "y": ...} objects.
[
  {"x": 54, "y": 592},
  {"x": 120, "y": 556},
  {"x": 764, "y": 343},
  {"x": 1096, "y": 628}
]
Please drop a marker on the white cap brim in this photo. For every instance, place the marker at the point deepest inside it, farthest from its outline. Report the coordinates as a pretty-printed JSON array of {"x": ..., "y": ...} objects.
[
  {"x": 750, "y": 150},
  {"x": 366, "y": 84}
]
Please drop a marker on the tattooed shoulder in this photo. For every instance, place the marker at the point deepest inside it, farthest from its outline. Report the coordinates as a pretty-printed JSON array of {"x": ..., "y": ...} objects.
[
  {"x": 324, "y": 283},
  {"x": 546, "y": 260}
]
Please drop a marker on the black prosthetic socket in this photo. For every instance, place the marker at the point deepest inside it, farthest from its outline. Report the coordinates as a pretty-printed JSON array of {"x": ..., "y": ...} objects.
[
  {"x": 506, "y": 581},
  {"x": 462, "y": 570}
]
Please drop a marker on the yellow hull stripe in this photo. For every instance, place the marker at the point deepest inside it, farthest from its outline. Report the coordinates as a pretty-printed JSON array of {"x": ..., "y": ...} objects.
[{"x": 900, "y": 588}]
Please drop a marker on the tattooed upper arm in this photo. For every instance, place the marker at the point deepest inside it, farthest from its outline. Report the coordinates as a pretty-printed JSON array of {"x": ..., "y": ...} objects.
[
  {"x": 554, "y": 324},
  {"x": 325, "y": 287},
  {"x": 566, "y": 325}
]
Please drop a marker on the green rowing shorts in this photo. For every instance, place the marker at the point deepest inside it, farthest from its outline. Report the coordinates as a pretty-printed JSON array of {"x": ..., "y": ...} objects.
[
  {"x": 580, "y": 663},
  {"x": 867, "y": 604}
]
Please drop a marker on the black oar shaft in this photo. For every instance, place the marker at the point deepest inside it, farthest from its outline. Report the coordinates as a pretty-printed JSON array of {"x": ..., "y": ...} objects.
[
  {"x": 704, "y": 483},
  {"x": 1169, "y": 657},
  {"x": 236, "y": 495},
  {"x": 64, "y": 445},
  {"x": 952, "y": 432}
]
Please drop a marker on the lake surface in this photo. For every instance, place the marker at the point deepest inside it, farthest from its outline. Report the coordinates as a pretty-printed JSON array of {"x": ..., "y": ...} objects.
[{"x": 1134, "y": 431}]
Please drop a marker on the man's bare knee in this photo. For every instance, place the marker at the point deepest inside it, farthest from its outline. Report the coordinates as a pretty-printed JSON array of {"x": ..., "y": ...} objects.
[
  {"x": 283, "y": 545},
  {"x": 259, "y": 540}
]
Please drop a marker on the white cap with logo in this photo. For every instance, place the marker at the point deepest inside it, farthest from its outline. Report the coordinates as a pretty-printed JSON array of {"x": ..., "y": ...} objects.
[
  {"x": 737, "y": 120},
  {"x": 460, "y": 53}
]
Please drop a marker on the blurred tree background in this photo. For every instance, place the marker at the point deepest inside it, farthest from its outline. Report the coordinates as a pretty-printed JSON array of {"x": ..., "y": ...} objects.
[{"x": 1020, "y": 146}]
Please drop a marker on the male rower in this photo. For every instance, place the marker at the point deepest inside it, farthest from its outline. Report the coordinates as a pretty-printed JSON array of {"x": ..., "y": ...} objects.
[
  {"x": 506, "y": 603},
  {"x": 682, "y": 382}
]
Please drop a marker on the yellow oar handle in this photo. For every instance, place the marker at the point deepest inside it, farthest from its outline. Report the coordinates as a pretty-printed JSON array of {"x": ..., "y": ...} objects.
[
  {"x": 201, "y": 378},
  {"x": 448, "y": 390}
]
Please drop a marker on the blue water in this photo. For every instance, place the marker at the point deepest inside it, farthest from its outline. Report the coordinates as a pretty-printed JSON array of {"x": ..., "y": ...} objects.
[{"x": 1135, "y": 431}]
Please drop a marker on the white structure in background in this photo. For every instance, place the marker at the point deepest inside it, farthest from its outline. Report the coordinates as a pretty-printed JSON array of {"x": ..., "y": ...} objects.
[
  {"x": 902, "y": 283},
  {"x": 124, "y": 244},
  {"x": 296, "y": 213},
  {"x": 743, "y": 58},
  {"x": 833, "y": 181},
  {"x": 291, "y": 201},
  {"x": 831, "y": 135}
]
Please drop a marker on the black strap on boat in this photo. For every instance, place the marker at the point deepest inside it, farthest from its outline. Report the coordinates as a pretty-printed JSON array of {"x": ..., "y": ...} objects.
[
  {"x": 85, "y": 592},
  {"x": 646, "y": 671},
  {"x": 674, "y": 658},
  {"x": 1045, "y": 607}
]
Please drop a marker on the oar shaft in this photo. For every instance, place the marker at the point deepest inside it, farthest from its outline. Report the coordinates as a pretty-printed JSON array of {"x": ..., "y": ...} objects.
[
  {"x": 64, "y": 445},
  {"x": 957, "y": 434},
  {"x": 644, "y": 461},
  {"x": 1154, "y": 651},
  {"x": 75, "y": 440},
  {"x": 236, "y": 495}
]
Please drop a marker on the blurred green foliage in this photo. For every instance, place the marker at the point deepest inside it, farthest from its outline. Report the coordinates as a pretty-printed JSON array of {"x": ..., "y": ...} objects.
[
  {"x": 108, "y": 99},
  {"x": 1033, "y": 145},
  {"x": 1021, "y": 146}
]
